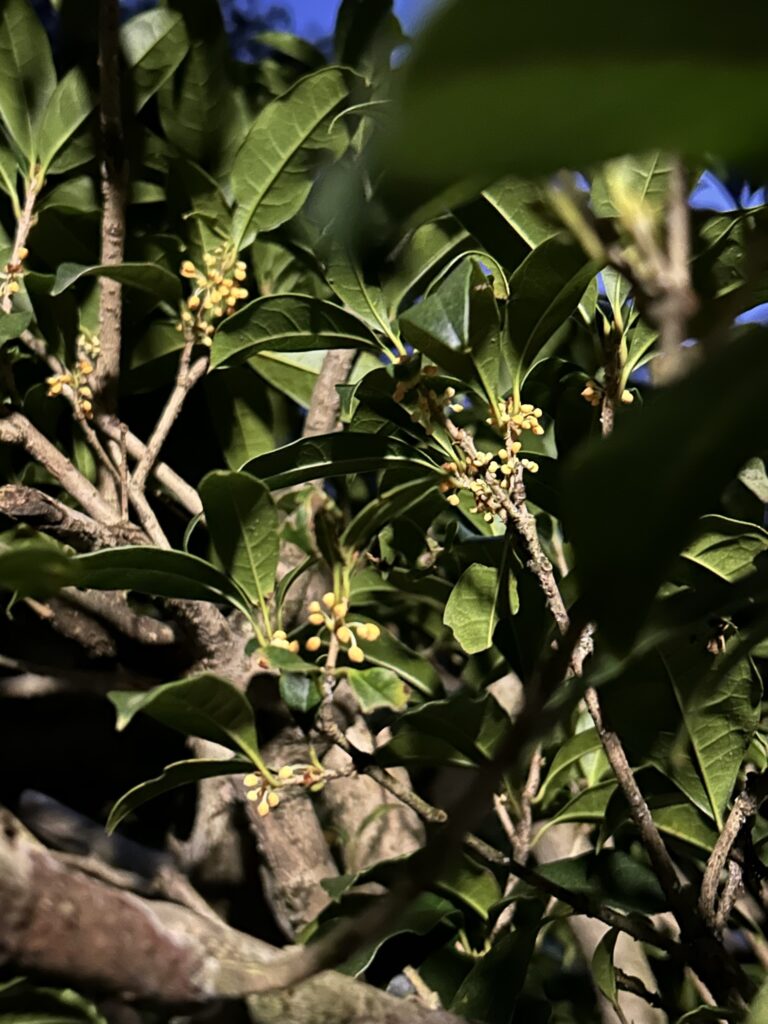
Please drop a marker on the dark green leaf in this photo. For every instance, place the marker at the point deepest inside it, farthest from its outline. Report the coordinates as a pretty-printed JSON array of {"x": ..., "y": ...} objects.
[
  {"x": 567, "y": 757},
  {"x": 287, "y": 323},
  {"x": 272, "y": 174},
  {"x": 622, "y": 487},
  {"x": 68, "y": 107},
  {"x": 378, "y": 688},
  {"x": 27, "y": 75},
  {"x": 544, "y": 291},
  {"x": 472, "y": 611},
  {"x": 147, "y": 277},
  {"x": 180, "y": 773},
  {"x": 384, "y": 509},
  {"x": 12, "y": 324},
  {"x": 241, "y": 414},
  {"x": 154, "y": 571},
  {"x": 490, "y": 991},
  {"x": 602, "y": 969},
  {"x": 154, "y": 43},
  {"x": 299, "y": 692},
  {"x": 243, "y": 523},
  {"x": 204, "y": 705},
  {"x": 329, "y": 455},
  {"x": 533, "y": 71}
]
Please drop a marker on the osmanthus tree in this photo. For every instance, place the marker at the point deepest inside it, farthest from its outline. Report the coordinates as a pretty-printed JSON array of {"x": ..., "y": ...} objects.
[{"x": 387, "y": 478}]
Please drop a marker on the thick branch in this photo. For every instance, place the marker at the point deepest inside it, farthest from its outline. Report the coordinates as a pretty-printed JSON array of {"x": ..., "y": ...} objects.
[
  {"x": 47, "y": 515},
  {"x": 17, "y": 429},
  {"x": 323, "y": 412},
  {"x": 59, "y": 921}
]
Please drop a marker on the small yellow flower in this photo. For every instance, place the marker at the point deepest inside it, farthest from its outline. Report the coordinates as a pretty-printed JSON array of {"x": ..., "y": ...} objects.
[
  {"x": 356, "y": 655},
  {"x": 193, "y": 302},
  {"x": 23, "y": 252},
  {"x": 273, "y": 799},
  {"x": 263, "y": 808},
  {"x": 252, "y": 779},
  {"x": 453, "y": 499},
  {"x": 286, "y": 772},
  {"x": 188, "y": 269},
  {"x": 314, "y": 606},
  {"x": 316, "y": 619},
  {"x": 329, "y": 599},
  {"x": 13, "y": 287},
  {"x": 340, "y": 609},
  {"x": 344, "y": 634},
  {"x": 314, "y": 643}
]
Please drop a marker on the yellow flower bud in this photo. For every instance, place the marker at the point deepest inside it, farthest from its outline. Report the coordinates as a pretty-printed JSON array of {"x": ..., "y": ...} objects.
[
  {"x": 252, "y": 779},
  {"x": 55, "y": 389},
  {"x": 356, "y": 655},
  {"x": 627, "y": 397},
  {"x": 316, "y": 619},
  {"x": 273, "y": 798},
  {"x": 86, "y": 406},
  {"x": 313, "y": 644},
  {"x": 263, "y": 808},
  {"x": 286, "y": 772},
  {"x": 253, "y": 794},
  {"x": 453, "y": 499},
  {"x": 280, "y": 634},
  {"x": 456, "y": 407},
  {"x": 188, "y": 269},
  {"x": 23, "y": 252},
  {"x": 209, "y": 259},
  {"x": 314, "y": 606},
  {"x": 193, "y": 302},
  {"x": 344, "y": 634},
  {"x": 293, "y": 646},
  {"x": 329, "y": 599},
  {"x": 13, "y": 287},
  {"x": 340, "y": 609},
  {"x": 240, "y": 274}
]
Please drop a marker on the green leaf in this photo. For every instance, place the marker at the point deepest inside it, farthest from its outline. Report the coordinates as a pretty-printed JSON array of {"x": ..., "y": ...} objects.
[
  {"x": 69, "y": 106},
  {"x": 378, "y": 688},
  {"x": 472, "y": 611},
  {"x": 533, "y": 72},
  {"x": 24, "y": 1003},
  {"x": 329, "y": 455},
  {"x": 354, "y": 286},
  {"x": 241, "y": 414},
  {"x": 8, "y": 174},
  {"x": 567, "y": 757},
  {"x": 758, "y": 1010},
  {"x": 720, "y": 717},
  {"x": 490, "y": 992},
  {"x": 385, "y": 508},
  {"x": 457, "y": 320},
  {"x": 244, "y": 527},
  {"x": 622, "y": 488},
  {"x": 287, "y": 323},
  {"x": 34, "y": 568},
  {"x": 12, "y": 324},
  {"x": 461, "y": 731},
  {"x": 198, "y": 106},
  {"x": 589, "y": 805},
  {"x": 146, "y": 277},
  {"x": 726, "y": 547},
  {"x": 291, "y": 373},
  {"x": 272, "y": 173},
  {"x": 639, "y": 180},
  {"x": 544, "y": 291},
  {"x": 602, "y": 969},
  {"x": 425, "y": 252},
  {"x": 391, "y": 653},
  {"x": 204, "y": 705},
  {"x": 470, "y": 883},
  {"x": 299, "y": 692},
  {"x": 291, "y": 46},
  {"x": 154, "y": 44},
  {"x": 27, "y": 75},
  {"x": 154, "y": 571},
  {"x": 180, "y": 773}
]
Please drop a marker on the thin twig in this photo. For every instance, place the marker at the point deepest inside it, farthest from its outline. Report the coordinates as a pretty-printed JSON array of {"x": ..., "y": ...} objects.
[
  {"x": 745, "y": 807},
  {"x": 186, "y": 378},
  {"x": 630, "y": 983}
]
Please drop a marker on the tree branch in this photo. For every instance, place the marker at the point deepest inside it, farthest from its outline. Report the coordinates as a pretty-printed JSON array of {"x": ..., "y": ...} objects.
[
  {"x": 47, "y": 515},
  {"x": 17, "y": 429},
  {"x": 323, "y": 412},
  {"x": 113, "y": 191}
]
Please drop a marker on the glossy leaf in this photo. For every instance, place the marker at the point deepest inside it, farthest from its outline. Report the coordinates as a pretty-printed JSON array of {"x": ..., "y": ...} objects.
[
  {"x": 12, "y": 324},
  {"x": 726, "y": 547},
  {"x": 287, "y": 323},
  {"x": 328, "y": 455},
  {"x": 391, "y": 653},
  {"x": 490, "y": 991},
  {"x": 378, "y": 688},
  {"x": 299, "y": 692},
  {"x": 146, "y": 277},
  {"x": 642, "y": 180},
  {"x": 243, "y": 523},
  {"x": 27, "y": 75},
  {"x": 567, "y": 757},
  {"x": 472, "y": 610},
  {"x": 544, "y": 291},
  {"x": 180, "y": 773},
  {"x": 154, "y": 571},
  {"x": 271, "y": 176},
  {"x": 602, "y": 969},
  {"x": 620, "y": 488},
  {"x": 154, "y": 44},
  {"x": 384, "y": 509},
  {"x": 204, "y": 705},
  {"x": 68, "y": 107}
]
